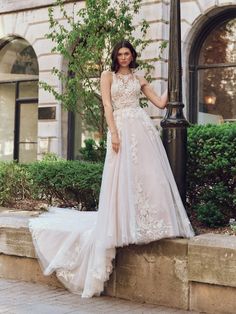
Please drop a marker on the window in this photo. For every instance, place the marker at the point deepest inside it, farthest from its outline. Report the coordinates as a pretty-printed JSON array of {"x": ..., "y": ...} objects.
[
  {"x": 17, "y": 60},
  {"x": 213, "y": 72},
  {"x": 18, "y": 100}
]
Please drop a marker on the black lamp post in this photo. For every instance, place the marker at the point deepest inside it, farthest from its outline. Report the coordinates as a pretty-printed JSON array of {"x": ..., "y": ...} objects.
[{"x": 174, "y": 123}]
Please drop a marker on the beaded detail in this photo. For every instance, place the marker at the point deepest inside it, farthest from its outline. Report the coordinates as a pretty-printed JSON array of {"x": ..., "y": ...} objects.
[{"x": 125, "y": 91}]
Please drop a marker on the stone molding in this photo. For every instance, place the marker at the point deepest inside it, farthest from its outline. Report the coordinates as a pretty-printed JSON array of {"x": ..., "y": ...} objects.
[{"x": 7, "y": 6}]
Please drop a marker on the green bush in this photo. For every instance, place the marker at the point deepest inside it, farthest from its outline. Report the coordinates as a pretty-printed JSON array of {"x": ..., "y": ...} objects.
[
  {"x": 15, "y": 183},
  {"x": 58, "y": 182},
  {"x": 51, "y": 157},
  {"x": 93, "y": 151},
  {"x": 209, "y": 214},
  {"x": 71, "y": 183},
  {"x": 211, "y": 173}
]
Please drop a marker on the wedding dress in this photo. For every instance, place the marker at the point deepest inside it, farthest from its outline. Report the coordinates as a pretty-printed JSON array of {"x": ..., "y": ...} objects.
[{"x": 139, "y": 203}]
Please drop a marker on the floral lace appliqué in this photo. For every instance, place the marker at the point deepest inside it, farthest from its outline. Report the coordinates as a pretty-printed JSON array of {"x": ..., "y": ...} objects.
[
  {"x": 149, "y": 224},
  {"x": 133, "y": 148},
  {"x": 125, "y": 91}
]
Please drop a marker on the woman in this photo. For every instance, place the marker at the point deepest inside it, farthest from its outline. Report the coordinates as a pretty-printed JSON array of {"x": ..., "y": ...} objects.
[{"x": 139, "y": 201}]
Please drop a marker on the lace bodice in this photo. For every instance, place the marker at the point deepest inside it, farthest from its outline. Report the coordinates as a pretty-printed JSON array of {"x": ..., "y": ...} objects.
[{"x": 125, "y": 91}]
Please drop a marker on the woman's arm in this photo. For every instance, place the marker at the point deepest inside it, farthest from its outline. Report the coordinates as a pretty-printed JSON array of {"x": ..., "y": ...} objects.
[
  {"x": 106, "y": 80},
  {"x": 147, "y": 90}
]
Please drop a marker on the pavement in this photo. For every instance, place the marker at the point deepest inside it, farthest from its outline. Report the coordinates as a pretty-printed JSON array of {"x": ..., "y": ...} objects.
[{"x": 17, "y": 297}]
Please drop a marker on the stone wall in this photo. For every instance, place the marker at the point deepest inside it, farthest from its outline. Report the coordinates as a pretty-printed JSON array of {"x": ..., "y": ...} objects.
[
  {"x": 152, "y": 273},
  {"x": 32, "y": 25},
  {"x": 212, "y": 273},
  {"x": 197, "y": 274}
]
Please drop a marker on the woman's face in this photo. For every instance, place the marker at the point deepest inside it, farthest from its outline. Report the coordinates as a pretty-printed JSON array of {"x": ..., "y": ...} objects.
[{"x": 124, "y": 57}]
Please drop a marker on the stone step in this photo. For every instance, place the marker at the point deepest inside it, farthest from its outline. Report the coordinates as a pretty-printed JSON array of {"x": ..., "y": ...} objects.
[
  {"x": 17, "y": 254},
  {"x": 197, "y": 274}
]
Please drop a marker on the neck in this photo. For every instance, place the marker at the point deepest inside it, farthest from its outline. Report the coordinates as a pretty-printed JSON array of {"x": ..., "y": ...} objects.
[{"x": 125, "y": 70}]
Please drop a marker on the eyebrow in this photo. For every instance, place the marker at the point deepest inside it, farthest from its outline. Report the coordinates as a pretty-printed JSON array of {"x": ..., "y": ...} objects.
[{"x": 120, "y": 53}]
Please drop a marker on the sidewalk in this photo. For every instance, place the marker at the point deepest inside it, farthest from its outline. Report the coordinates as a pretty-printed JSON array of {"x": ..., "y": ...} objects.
[{"x": 28, "y": 298}]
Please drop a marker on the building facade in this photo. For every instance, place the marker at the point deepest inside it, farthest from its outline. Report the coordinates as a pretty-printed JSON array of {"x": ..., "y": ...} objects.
[{"x": 33, "y": 123}]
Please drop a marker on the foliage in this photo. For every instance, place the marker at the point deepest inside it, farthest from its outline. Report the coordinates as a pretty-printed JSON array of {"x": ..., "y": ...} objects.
[
  {"x": 61, "y": 182},
  {"x": 211, "y": 173},
  {"x": 15, "y": 183},
  {"x": 85, "y": 41},
  {"x": 69, "y": 182},
  {"x": 210, "y": 215},
  {"x": 92, "y": 151},
  {"x": 51, "y": 157}
]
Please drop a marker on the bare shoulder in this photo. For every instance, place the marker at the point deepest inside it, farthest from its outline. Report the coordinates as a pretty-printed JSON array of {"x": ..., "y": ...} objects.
[
  {"x": 143, "y": 82},
  {"x": 106, "y": 75}
]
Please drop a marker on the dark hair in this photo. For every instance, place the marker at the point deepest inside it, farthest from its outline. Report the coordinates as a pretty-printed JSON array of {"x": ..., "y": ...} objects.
[{"x": 123, "y": 44}]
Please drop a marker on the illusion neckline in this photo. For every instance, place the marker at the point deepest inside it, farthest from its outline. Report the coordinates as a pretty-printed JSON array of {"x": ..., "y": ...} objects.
[
  {"x": 124, "y": 77},
  {"x": 126, "y": 74}
]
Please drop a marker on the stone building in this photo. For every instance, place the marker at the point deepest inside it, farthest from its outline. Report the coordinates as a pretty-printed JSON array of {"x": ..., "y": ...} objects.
[{"x": 33, "y": 123}]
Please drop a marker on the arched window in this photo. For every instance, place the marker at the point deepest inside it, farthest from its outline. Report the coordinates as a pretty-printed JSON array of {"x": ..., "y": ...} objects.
[
  {"x": 213, "y": 71},
  {"x": 18, "y": 100}
]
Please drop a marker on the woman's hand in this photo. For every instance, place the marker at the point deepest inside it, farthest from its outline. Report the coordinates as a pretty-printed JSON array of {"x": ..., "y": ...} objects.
[{"x": 115, "y": 141}]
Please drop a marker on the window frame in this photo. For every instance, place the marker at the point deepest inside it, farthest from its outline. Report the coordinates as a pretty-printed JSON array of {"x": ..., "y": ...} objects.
[
  {"x": 200, "y": 37},
  {"x": 18, "y": 100}
]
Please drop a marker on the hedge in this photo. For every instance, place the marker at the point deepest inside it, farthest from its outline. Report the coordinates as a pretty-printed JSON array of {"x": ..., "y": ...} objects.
[
  {"x": 15, "y": 182},
  {"x": 211, "y": 173},
  {"x": 57, "y": 182}
]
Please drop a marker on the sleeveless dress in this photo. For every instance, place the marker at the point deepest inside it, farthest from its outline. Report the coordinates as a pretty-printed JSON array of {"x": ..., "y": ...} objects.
[{"x": 139, "y": 202}]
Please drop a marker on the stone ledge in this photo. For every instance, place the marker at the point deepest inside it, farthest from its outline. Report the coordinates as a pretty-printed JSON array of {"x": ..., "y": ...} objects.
[
  {"x": 163, "y": 262},
  {"x": 199, "y": 274},
  {"x": 15, "y": 237},
  {"x": 25, "y": 269},
  {"x": 151, "y": 273},
  {"x": 212, "y": 259},
  {"x": 16, "y": 242},
  {"x": 213, "y": 299}
]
